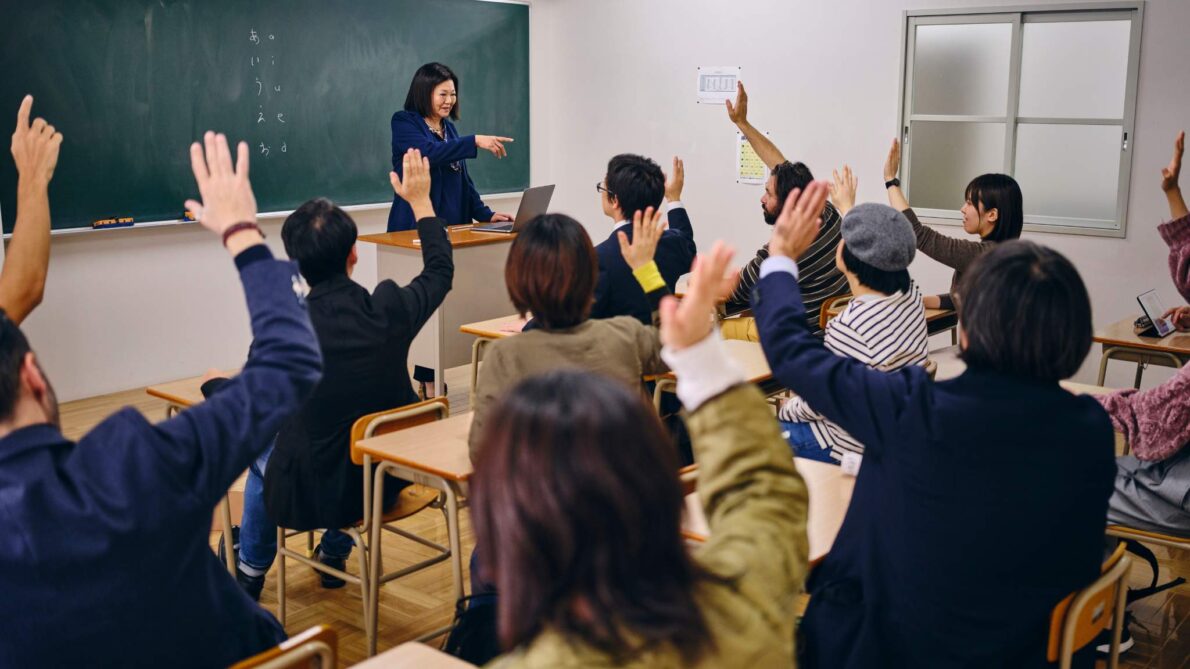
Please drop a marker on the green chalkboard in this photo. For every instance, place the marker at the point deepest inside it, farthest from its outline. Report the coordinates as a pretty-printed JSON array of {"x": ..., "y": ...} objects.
[{"x": 312, "y": 83}]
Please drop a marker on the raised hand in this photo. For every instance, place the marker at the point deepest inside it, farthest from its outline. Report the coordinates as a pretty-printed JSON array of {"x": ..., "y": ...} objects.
[
  {"x": 226, "y": 193},
  {"x": 798, "y": 224},
  {"x": 646, "y": 232},
  {"x": 35, "y": 146},
  {"x": 1170, "y": 173},
  {"x": 892, "y": 164},
  {"x": 415, "y": 188},
  {"x": 689, "y": 321},
  {"x": 493, "y": 143},
  {"x": 738, "y": 113},
  {"x": 676, "y": 181},
  {"x": 843, "y": 190}
]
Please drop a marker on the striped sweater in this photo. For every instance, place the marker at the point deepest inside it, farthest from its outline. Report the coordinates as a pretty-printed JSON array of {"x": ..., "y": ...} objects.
[{"x": 885, "y": 332}]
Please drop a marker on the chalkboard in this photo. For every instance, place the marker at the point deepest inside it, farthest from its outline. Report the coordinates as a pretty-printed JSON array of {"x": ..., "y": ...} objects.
[{"x": 311, "y": 85}]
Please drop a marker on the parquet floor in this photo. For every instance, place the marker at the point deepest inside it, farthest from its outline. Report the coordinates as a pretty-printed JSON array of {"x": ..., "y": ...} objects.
[{"x": 422, "y": 602}]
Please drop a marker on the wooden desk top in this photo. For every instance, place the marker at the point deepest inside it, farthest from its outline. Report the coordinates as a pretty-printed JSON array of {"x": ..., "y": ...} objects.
[
  {"x": 830, "y": 494},
  {"x": 748, "y": 355},
  {"x": 461, "y": 236},
  {"x": 183, "y": 393},
  {"x": 935, "y": 314},
  {"x": 495, "y": 328},
  {"x": 1085, "y": 388},
  {"x": 413, "y": 655},
  {"x": 438, "y": 448},
  {"x": 1120, "y": 334}
]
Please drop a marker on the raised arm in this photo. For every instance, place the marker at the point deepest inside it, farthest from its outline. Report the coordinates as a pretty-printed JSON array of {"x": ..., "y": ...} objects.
[
  {"x": 763, "y": 146},
  {"x": 416, "y": 302},
  {"x": 1176, "y": 232},
  {"x": 756, "y": 503},
  {"x": 35, "y": 151},
  {"x": 408, "y": 135}
]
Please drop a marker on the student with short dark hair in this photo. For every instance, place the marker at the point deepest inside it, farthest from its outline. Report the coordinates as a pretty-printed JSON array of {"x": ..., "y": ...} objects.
[
  {"x": 951, "y": 469},
  {"x": 577, "y": 502},
  {"x": 884, "y": 324},
  {"x": 992, "y": 209},
  {"x": 425, "y": 124},
  {"x": 632, "y": 185},
  {"x": 107, "y": 561},
  {"x": 821, "y": 278}
]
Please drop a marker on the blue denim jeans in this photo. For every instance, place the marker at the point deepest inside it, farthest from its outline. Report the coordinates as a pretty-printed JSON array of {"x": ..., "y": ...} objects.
[
  {"x": 258, "y": 533},
  {"x": 804, "y": 444}
]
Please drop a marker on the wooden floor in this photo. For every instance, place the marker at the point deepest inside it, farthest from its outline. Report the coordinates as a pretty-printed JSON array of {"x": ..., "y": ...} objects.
[{"x": 422, "y": 602}]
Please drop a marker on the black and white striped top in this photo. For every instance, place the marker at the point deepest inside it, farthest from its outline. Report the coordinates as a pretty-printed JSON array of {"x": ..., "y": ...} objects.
[{"x": 885, "y": 332}]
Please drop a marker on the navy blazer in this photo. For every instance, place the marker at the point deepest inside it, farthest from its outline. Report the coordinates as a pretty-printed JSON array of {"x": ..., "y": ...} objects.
[
  {"x": 981, "y": 503},
  {"x": 106, "y": 560},
  {"x": 451, "y": 190},
  {"x": 617, "y": 293}
]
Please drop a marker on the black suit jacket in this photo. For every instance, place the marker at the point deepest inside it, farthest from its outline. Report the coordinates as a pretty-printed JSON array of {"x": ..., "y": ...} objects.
[
  {"x": 617, "y": 292},
  {"x": 310, "y": 482}
]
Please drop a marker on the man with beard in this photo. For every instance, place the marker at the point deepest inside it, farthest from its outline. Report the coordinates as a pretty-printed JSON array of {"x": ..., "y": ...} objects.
[{"x": 819, "y": 279}]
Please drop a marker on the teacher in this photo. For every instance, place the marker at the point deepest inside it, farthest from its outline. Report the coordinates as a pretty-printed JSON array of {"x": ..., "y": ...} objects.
[{"x": 425, "y": 125}]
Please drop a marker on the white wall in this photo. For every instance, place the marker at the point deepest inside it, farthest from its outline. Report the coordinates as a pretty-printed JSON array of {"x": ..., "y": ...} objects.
[{"x": 128, "y": 308}]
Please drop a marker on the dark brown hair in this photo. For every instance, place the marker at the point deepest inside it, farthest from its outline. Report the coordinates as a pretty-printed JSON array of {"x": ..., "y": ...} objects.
[
  {"x": 1002, "y": 193},
  {"x": 421, "y": 89},
  {"x": 577, "y": 505},
  {"x": 551, "y": 271},
  {"x": 1025, "y": 312}
]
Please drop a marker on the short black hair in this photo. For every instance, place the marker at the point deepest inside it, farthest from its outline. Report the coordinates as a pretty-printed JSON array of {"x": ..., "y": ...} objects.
[
  {"x": 636, "y": 182},
  {"x": 1025, "y": 312},
  {"x": 1002, "y": 193},
  {"x": 319, "y": 236},
  {"x": 13, "y": 349},
  {"x": 421, "y": 89},
  {"x": 879, "y": 280},
  {"x": 790, "y": 176}
]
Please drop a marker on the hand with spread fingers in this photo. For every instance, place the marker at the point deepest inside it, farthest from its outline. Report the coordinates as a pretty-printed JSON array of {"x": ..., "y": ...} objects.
[
  {"x": 800, "y": 219},
  {"x": 686, "y": 322},
  {"x": 1169, "y": 179},
  {"x": 226, "y": 192},
  {"x": 647, "y": 227},
  {"x": 676, "y": 181},
  {"x": 415, "y": 187},
  {"x": 843, "y": 190}
]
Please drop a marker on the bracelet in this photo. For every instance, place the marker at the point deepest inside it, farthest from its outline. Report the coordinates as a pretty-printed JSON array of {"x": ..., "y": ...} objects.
[
  {"x": 240, "y": 227},
  {"x": 892, "y": 182}
]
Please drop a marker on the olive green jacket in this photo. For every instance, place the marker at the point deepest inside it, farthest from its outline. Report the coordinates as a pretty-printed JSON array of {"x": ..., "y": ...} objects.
[{"x": 756, "y": 506}]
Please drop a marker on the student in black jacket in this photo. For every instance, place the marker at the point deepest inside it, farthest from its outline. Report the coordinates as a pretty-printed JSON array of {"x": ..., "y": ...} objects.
[{"x": 310, "y": 481}]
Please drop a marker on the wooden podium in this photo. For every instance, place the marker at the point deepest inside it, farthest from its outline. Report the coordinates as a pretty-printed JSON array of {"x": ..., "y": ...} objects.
[{"x": 477, "y": 293}]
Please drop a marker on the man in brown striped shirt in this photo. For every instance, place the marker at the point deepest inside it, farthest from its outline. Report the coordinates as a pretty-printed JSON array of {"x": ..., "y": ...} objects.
[{"x": 818, "y": 278}]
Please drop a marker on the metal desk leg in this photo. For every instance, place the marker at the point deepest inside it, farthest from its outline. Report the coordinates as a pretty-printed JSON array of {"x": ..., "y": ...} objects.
[{"x": 477, "y": 348}]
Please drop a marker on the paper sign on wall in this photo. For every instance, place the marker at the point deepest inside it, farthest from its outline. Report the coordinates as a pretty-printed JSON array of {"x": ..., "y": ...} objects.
[
  {"x": 717, "y": 84},
  {"x": 750, "y": 169}
]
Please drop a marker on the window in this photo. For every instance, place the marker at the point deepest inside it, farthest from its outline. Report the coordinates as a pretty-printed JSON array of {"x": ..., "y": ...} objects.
[{"x": 1045, "y": 94}]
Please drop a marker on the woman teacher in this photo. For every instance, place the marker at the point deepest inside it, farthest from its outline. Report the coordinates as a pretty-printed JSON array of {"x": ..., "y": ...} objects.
[{"x": 424, "y": 124}]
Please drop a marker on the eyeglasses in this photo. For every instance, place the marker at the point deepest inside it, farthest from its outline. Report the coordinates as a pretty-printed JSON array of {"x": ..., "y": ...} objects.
[{"x": 599, "y": 188}]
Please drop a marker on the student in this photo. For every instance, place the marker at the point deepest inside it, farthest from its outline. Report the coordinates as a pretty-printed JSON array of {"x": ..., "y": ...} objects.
[
  {"x": 632, "y": 184},
  {"x": 35, "y": 151},
  {"x": 107, "y": 560},
  {"x": 576, "y": 496},
  {"x": 309, "y": 481},
  {"x": 883, "y": 326},
  {"x": 551, "y": 272},
  {"x": 992, "y": 210},
  {"x": 821, "y": 279},
  {"x": 981, "y": 499}
]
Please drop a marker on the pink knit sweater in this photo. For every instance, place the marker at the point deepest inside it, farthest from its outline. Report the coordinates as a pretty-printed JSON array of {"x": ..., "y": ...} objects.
[{"x": 1157, "y": 422}]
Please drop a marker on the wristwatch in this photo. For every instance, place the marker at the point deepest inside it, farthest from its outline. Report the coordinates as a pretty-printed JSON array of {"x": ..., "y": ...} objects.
[{"x": 892, "y": 182}]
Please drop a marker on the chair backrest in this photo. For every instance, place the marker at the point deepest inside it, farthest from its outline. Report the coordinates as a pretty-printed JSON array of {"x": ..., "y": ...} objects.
[
  {"x": 832, "y": 307},
  {"x": 316, "y": 647},
  {"x": 1082, "y": 615},
  {"x": 391, "y": 420}
]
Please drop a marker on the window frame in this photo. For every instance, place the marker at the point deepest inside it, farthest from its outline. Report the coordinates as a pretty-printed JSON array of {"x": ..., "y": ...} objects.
[{"x": 1017, "y": 17}]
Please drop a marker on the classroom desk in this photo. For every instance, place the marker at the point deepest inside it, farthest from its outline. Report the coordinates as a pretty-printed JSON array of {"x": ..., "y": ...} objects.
[
  {"x": 435, "y": 455},
  {"x": 486, "y": 332},
  {"x": 1119, "y": 342},
  {"x": 179, "y": 395},
  {"x": 413, "y": 655},
  {"x": 747, "y": 354},
  {"x": 477, "y": 292},
  {"x": 830, "y": 493}
]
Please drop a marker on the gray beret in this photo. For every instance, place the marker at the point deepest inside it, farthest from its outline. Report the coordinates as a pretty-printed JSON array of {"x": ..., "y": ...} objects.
[{"x": 880, "y": 236}]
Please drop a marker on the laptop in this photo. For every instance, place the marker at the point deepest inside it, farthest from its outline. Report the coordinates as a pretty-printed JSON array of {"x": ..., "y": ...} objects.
[
  {"x": 534, "y": 202},
  {"x": 1151, "y": 305}
]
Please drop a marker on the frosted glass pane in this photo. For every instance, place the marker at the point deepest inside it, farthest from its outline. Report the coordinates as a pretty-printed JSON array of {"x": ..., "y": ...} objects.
[
  {"x": 947, "y": 156},
  {"x": 1069, "y": 171},
  {"x": 1075, "y": 70},
  {"x": 962, "y": 69}
]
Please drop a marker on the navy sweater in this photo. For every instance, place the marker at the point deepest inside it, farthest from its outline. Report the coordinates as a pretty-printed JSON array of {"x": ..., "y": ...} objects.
[
  {"x": 980, "y": 504},
  {"x": 454, "y": 196}
]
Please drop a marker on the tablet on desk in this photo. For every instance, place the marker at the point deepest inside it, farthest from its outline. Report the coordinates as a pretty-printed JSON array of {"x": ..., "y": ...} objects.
[{"x": 1152, "y": 307}]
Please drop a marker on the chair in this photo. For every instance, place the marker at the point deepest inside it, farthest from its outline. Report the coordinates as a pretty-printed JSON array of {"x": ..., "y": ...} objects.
[
  {"x": 1079, "y": 618},
  {"x": 316, "y": 647},
  {"x": 1148, "y": 537},
  {"x": 832, "y": 307},
  {"x": 412, "y": 500}
]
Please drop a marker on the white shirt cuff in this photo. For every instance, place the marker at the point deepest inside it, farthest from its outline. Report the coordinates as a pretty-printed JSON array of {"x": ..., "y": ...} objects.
[
  {"x": 676, "y": 204},
  {"x": 778, "y": 264},
  {"x": 704, "y": 370}
]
